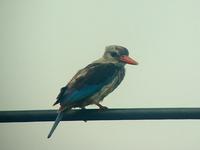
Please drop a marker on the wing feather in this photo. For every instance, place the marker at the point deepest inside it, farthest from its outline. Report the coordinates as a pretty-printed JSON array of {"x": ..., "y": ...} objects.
[{"x": 86, "y": 83}]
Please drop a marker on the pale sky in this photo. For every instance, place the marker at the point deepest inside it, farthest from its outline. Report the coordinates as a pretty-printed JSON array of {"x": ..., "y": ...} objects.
[{"x": 43, "y": 43}]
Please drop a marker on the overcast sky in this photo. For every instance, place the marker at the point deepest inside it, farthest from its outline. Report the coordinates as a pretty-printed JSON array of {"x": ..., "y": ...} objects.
[{"x": 43, "y": 43}]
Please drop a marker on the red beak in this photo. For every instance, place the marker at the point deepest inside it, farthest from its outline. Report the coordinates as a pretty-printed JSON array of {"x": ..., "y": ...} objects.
[{"x": 128, "y": 60}]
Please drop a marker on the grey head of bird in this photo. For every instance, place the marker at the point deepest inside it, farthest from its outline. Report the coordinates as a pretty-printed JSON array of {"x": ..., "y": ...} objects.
[{"x": 118, "y": 55}]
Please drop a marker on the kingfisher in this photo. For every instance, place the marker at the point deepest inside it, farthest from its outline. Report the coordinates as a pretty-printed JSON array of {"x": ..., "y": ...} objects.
[{"x": 94, "y": 82}]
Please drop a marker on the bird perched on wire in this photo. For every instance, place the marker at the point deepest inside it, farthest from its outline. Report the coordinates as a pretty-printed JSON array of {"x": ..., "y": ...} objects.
[{"x": 91, "y": 84}]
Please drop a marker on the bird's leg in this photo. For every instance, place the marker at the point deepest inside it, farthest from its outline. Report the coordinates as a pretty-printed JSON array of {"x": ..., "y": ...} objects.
[
  {"x": 100, "y": 106},
  {"x": 83, "y": 108}
]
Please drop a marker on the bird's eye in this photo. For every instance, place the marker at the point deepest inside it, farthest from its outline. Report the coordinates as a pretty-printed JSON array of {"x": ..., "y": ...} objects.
[{"x": 113, "y": 54}]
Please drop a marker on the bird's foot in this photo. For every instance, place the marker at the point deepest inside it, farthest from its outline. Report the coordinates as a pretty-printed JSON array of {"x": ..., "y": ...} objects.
[
  {"x": 101, "y": 106},
  {"x": 83, "y": 108}
]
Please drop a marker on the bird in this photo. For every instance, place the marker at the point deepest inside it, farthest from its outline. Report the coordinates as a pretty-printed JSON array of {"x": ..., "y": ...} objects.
[{"x": 94, "y": 82}]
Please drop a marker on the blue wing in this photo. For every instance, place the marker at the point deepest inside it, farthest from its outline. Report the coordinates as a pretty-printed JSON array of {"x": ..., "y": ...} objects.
[
  {"x": 77, "y": 95},
  {"x": 86, "y": 83}
]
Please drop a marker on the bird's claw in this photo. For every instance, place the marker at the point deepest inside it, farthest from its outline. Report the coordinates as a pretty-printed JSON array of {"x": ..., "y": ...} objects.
[{"x": 103, "y": 107}]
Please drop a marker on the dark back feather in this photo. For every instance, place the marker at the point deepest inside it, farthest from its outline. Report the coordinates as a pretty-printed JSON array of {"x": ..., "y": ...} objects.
[{"x": 93, "y": 74}]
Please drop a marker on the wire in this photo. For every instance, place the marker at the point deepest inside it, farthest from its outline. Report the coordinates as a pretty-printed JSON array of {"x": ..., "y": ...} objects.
[{"x": 96, "y": 114}]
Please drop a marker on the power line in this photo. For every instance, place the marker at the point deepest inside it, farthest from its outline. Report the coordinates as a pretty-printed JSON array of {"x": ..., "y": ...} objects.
[{"x": 96, "y": 114}]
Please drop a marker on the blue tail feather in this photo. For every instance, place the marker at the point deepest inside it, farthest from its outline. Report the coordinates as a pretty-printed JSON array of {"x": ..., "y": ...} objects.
[{"x": 58, "y": 119}]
